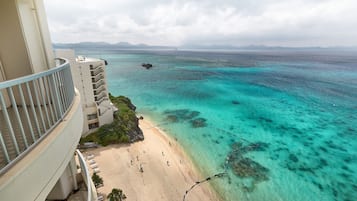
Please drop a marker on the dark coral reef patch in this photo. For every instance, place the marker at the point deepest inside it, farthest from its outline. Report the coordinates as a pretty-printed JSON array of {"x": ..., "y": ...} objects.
[
  {"x": 199, "y": 122},
  {"x": 245, "y": 167},
  {"x": 186, "y": 115}
]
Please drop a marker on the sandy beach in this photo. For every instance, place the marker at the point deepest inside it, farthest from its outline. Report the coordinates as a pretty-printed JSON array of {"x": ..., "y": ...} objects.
[{"x": 151, "y": 170}]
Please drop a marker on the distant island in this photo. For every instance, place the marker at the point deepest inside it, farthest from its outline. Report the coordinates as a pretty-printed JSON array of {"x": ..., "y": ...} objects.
[
  {"x": 147, "y": 65},
  {"x": 120, "y": 45},
  {"x": 192, "y": 47}
]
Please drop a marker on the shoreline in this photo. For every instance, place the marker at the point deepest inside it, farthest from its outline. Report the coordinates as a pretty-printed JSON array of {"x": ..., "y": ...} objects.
[{"x": 157, "y": 168}]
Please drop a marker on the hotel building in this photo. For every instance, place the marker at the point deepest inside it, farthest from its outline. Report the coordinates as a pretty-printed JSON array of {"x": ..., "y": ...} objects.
[{"x": 89, "y": 77}]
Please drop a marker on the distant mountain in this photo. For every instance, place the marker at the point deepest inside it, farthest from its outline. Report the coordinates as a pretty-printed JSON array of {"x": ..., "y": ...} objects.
[
  {"x": 262, "y": 48},
  {"x": 126, "y": 45},
  {"x": 123, "y": 44},
  {"x": 119, "y": 45}
]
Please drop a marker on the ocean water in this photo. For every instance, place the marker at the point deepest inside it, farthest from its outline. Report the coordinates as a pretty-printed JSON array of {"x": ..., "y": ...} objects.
[{"x": 281, "y": 125}]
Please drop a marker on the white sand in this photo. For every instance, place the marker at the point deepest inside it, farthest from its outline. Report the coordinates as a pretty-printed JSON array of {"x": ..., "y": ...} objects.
[{"x": 167, "y": 171}]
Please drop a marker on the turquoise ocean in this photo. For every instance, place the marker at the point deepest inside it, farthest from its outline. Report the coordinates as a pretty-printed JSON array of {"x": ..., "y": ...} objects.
[{"x": 282, "y": 125}]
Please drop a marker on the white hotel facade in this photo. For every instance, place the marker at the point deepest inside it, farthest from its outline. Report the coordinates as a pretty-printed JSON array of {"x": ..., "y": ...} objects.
[
  {"x": 89, "y": 77},
  {"x": 46, "y": 104}
]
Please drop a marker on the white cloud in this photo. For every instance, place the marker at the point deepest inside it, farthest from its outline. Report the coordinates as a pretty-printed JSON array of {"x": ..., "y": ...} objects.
[{"x": 178, "y": 22}]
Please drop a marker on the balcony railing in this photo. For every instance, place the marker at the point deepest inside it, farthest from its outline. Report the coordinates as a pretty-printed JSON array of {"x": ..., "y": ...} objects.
[
  {"x": 98, "y": 84},
  {"x": 100, "y": 96},
  {"x": 31, "y": 107},
  {"x": 100, "y": 77},
  {"x": 91, "y": 191},
  {"x": 96, "y": 72},
  {"x": 101, "y": 100},
  {"x": 95, "y": 67},
  {"x": 99, "y": 91}
]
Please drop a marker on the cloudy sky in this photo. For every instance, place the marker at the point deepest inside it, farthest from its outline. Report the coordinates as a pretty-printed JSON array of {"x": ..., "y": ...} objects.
[{"x": 205, "y": 22}]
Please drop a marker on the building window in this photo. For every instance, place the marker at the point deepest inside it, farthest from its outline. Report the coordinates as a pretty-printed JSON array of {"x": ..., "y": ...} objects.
[
  {"x": 93, "y": 125},
  {"x": 92, "y": 116}
]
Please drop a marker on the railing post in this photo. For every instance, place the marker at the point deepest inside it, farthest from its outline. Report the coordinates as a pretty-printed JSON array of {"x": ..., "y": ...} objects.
[
  {"x": 3, "y": 146},
  {"x": 69, "y": 80},
  {"x": 33, "y": 109},
  {"x": 24, "y": 106},
  {"x": 49, "y": 96},
  {"x": 16, "y": 111},
  {"x": 57, "y": 96},
  {"x": 64, "y": 89},
  {"x": 39, "y": 105},
  {"x": 8, "y": 122},
  {"x": 42, "y": 91},
  {"x": 61, "y": 91},
  {"x": 53, "y": 97}
]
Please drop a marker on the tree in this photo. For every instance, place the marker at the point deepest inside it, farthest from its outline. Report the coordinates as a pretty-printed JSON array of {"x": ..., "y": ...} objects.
[
  {"x": 97, "y": 180},
  {"x": 116, "y": 195}
]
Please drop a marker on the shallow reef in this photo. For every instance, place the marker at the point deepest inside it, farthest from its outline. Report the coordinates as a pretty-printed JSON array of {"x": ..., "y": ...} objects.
[
  {"x": 199, "y": 122},
  {"x": 185, "y": 115},
  {"x": 245, "y": 167}
]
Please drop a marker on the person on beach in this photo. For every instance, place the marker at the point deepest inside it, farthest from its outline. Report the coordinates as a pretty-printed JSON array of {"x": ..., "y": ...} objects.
[{"x": 167, "y": 162}]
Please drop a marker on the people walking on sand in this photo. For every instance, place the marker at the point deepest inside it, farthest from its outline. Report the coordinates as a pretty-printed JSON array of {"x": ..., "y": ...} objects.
[
  {"x": 167, "y": 162},
  {"x": 141, "y": 168}
]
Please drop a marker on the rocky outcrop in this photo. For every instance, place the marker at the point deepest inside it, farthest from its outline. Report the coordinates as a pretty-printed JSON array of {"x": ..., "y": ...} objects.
[
  {"x": 147, "y": 65},
  {"x": 124, "y": 128},
  {"x": 135, "y": 133},
  {"x": 127, "y": 118}
]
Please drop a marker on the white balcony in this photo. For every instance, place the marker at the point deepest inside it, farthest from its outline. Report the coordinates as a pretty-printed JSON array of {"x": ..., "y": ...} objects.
[
  {"x": 100, "y": 76},
  {"x": 97, "y": 71},
  {"x": 41, "y": 124},
  {"x": 98, "y": 84}
]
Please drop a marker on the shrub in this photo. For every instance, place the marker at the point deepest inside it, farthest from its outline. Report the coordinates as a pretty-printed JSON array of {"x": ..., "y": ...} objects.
[
  {"x": 97, "y": 180},
  {"x": 116, "y": 195}
]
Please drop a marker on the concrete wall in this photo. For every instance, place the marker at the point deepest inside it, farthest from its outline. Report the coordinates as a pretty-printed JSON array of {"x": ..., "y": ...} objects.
[
  {"x": 106, "y": 111},
  {"x": 87, "y": 111},
  {"x": 13, "y": 50},
  {"x": 63, "y": 187},
  {"x": 25, "y": 45},
  {"x": 32, "y": 35},
  {"x": 45, "y": 33},
  {"x": 86, "y": 84}
]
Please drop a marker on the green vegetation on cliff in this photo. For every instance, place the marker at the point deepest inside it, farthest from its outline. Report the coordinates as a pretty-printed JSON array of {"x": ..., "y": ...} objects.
[{"x": 123, "y": 129}]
